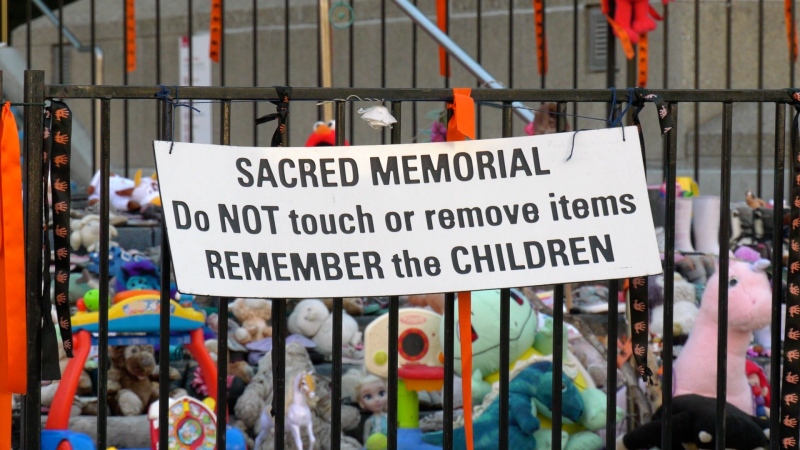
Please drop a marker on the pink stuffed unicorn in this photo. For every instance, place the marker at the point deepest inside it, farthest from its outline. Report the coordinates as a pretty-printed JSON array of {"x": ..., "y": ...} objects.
[{"x": 749, "y": 309}]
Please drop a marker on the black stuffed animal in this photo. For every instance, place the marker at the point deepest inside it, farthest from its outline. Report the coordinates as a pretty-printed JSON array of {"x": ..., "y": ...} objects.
[{"x": 694, "y": 425}]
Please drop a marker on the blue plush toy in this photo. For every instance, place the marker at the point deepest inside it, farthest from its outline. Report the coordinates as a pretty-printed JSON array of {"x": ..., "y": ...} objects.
[{"x": 529, "y": 390}]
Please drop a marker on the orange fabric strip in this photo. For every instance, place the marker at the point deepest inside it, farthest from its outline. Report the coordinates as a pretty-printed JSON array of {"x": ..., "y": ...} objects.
[
  {"x": 130, "y": 42},
  {"x": 215, "y": 30},
  {"x": 541, "y": 42},
  {"x": 624, "y": 39},
  {"x": 441, "y": 19},
  {"x": 791, "y": 31},
  {"x": 12, "y": 256},
  {"x": 5, "y": 419},
  {"x": 462, "y": 124},
  {"x": 465, "y": 335},
  {"x": 643, "y": 61}
]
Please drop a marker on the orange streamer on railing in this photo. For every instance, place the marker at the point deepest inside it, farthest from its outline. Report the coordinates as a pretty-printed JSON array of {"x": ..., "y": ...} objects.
[
  {"x": 462, "y": 121},
  {"x": 791, "y": 31},
  {"x": 215, "y": 30},
  {"x": 541, "y": 41},
  {"x": 130, "y": 36},
  {"x": 643, "y": 61},
  {"x": 13, "y": 339},
  {"x": 465, "y": 335},
  {"x": 441, "y": 18}
]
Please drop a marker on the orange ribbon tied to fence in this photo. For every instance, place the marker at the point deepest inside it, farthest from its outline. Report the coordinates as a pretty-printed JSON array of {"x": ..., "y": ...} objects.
[
  {"x": 13, "y": 337},
  {"x": 541, "y": 42},
  {"x": 461, "y": 115},
  {"x": 791, "y": 30},
  {"x": 465, "y": 336},
  {"x": 215, "y": 31},
  {"x": 130, "y": 35},
  {"x": 441, "y": 20}
]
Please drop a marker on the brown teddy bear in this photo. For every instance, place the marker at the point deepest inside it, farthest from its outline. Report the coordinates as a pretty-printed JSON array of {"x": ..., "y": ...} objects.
[
  {"x": 254, "y": 315},
  {"x": 131, "y": 385}
]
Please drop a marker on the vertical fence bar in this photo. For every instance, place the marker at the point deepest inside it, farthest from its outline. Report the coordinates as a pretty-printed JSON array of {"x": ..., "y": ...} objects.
[
  {"x": 760, "y": 129},
  {"x": 611, "y": 52},
  {"x": 510, "y": 44},
  {"x": 575, "y": 35},
  {"x": 34, "y": 98},
  {"x": 222, "y": 47},
  {"x": 383, "y": 59},
  {"x": 92, "y": 43},
  {"x": 286, "y": 52},
  {"x": 164, "y": 328},
  {"x": 338, "y": 303},
  {"x": 777, "y": 263},
  {"x": 722, "y": 330},
  {"x": 449, "y": 372},
  {"x": 255, "y": 68},
  {"x": 351, "y": 76},
  {"x": 666, "y": 46},
  {"x": 125, "y": 139},
  {"x": 479, "y": 53},
  {"x": 505, "y": 319},
  {"x": 28, "y": 16},
  {"x": 279, "y": 368},
  {"x": 191, "y": 66},
  {"x": 696, "y": 155},
  {"x": 60, "y": 41},
  {"x": 158, "y": 62},
  {"x": 728, "y": 46},
  {"x": 558, "y": 324},
  {"x": 414, "y": 124},
  {"x": 222, "y": 360},
  {"x": 669, "y": 278},
  {"x": 102, "y": 338},
  {"x": 611, "y": 363},
  {"x": 394, "y": 322}
]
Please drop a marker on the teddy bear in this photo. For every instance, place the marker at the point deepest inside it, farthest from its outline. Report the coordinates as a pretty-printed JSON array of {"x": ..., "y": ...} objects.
[
  {"x": 131, "y": 388},
  {"x": 312, "y": 319},
  {"x": 352, "y": 305},
  {"x": 86, "y": 232},
  {"x": 254, "y": 315}
]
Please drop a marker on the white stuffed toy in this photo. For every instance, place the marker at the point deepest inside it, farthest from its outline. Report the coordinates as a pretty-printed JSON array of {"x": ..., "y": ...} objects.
[
  {"x": 86, "y": 233},
  {"x": 126, "y": 194},
  {"x": 312, "y": 319}
]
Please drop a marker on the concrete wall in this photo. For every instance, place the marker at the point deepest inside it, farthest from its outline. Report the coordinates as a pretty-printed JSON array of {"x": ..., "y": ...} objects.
[{"x": 495, "y": 57}]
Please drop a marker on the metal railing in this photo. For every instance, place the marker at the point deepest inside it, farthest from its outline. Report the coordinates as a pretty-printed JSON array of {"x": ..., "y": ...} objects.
[{"x": 37, "y": 92}]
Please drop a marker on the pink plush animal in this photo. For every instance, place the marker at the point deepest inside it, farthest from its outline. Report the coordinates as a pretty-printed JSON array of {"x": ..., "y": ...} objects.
[{"x": 749, "y": 309}]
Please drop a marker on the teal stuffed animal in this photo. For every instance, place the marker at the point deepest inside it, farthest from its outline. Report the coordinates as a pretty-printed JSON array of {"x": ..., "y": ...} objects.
[
  {"x": 528, "y": 391},
  {"x": 486, "y": 336}
]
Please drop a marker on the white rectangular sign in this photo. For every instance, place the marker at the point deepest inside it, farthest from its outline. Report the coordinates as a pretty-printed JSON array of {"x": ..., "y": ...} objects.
[
  {"x": 406, "y": 219},
  {"x": 201, "y": 128}
]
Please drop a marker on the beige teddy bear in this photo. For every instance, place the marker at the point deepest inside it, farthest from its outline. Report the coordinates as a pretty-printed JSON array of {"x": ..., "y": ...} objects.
[
  {"x": 254, "y": 315},
  {"x": 131, "y": 388}
]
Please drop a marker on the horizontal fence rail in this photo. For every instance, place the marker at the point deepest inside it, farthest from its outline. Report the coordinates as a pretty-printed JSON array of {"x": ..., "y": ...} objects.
[{"x": 37, "y": 92}]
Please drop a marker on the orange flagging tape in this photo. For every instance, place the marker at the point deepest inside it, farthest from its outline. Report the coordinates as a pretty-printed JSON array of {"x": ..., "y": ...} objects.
[
  {"x": 441, "y": 19},
  {"x": 643, "y": 61},
  {"x": 215, "y": 30},
  {"x": 462, "y": 122},
  {"x": 465, "y": 335},
  {"x": 130, "y": 37},
  {"x": 541, "y": 42}
]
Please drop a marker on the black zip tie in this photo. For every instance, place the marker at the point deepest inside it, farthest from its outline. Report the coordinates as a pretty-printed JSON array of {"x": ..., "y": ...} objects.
[{"x": 163, "y": 94}]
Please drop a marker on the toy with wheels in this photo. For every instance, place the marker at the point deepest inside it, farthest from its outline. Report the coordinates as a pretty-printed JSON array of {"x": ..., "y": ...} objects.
[
  {"x": 132, "y": 320},
  {"x": 192, "y": 426}
]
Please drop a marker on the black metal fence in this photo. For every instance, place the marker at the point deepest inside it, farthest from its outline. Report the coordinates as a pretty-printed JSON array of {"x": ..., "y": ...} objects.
[{"x": 37, "y": 92}]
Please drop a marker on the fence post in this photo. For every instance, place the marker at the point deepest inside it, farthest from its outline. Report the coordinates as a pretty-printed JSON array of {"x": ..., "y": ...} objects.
[{"x": 34, "y": 109}]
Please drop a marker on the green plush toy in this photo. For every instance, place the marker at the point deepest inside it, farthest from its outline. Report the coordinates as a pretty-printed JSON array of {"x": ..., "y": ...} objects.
[
  {"x": 486, "y": 335},
  {"x": 580, "y": 435}
]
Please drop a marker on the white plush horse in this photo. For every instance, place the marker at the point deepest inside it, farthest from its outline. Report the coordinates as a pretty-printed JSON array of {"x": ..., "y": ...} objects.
[{"x": 297, "y": 412}]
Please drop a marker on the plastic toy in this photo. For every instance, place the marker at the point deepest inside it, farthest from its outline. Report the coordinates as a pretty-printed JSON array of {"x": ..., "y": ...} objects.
[
  {"x": 298, "y": 413},
  {"x": 192, "y": 425},
  {"x": 420, "y": 366},
  {"x": 135, "y": 314}
]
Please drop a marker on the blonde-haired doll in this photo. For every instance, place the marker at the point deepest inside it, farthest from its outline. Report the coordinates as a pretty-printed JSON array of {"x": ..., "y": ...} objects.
[{"x": 369, "y": 391}]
